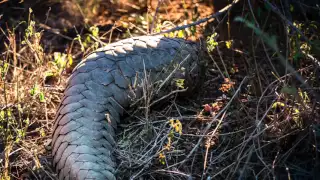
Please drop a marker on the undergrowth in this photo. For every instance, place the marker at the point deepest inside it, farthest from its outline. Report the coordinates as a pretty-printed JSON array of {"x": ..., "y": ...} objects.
[
  {"x": 32, "y": 82},
  {"x": 257, "y": 116}
]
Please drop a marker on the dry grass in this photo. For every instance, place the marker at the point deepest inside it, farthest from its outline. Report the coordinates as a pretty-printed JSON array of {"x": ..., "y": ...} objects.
[{"x": 252, "y": 119}]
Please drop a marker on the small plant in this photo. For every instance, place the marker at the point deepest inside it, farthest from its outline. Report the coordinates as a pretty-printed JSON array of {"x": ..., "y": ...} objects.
[
  {"x": 25, "y": 101},
  {"x": 211, "y": 42},
  {"x": 292, "y": 104},
  {"x": 178, "y": 34},
  {"x": 176, "y": 127},
  {"x": 32, "y": 39},
  {"x": 180, "y": 83},
  {"x": 229, "y": 44},
  {"x": 211, "y": 109},
  {"x": 4, "y": 70},
  {"x": 162, "y": 158},
  {"x": 13, "y": 129},
  {"x": 234, "y": 69},
  {"x": 227, "y": 85},
  {"x": 36, "y": 92},
  {"x": 60, "y": 62},
  {"x": 90, "y": 41}
]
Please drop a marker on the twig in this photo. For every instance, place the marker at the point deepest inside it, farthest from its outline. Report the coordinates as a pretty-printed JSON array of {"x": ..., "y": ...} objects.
[
  {"x": 174, "y": 172},
  {"x": 54, "y": 31},
  {"x": 163, "y": 97},
  {"x": 138, "y": 28},
  {"x": 155, "y": 15},
  {"x": 315, "y": 60},
  {"x": 3, "y": 1},
  {"x": 210, "y": 137},
  {"x": 227, "y": 8}
]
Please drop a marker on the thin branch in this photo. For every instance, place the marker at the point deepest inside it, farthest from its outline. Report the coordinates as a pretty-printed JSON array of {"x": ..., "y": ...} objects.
[
  {"x": 164, "y": 97},
  {"x": 222, "y": 11},
  {"x": 155, "y": 15}
]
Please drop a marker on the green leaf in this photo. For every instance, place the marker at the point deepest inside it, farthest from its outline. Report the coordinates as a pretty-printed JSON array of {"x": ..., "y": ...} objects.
[
  {"x": 278, "y": 104},
  {"x": 34, "y": 90},
  {"x": 211, "y": 42},
  {"x": 291, "y": 8},
  {"x": 314, "y": 25},
  {"x": 193, "y": 30},
  {"x": 259, "y": 12},
  {"x": 60, "y": 60},
  {"x": 78, "y": 38},
  {"x": 228, "y": 44},
  {"x": 5, "y": 113},
  {"x": 4, "y": 69},
  {"x": 180, "y": 34},
  {"x": 70, "y": 59},
  {"x": 41, "y": 97},
  {"x": 297, "y": 56},
  {"x": 42, "y": 132},
  {"x": 95, "y": 31},
  {"x": 27, "y": 121},
  {"x": 289, "y": 90},
  {"x": 180, "y": 83},
  {"x": 267, "y": 6},
  {"x": 2, "y": 114},
  {"x": 49, "y": 74}
]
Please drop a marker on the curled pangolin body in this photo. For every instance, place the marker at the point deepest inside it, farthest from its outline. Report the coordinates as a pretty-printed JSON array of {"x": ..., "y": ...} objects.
[{"x": 99, "y": 90}]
